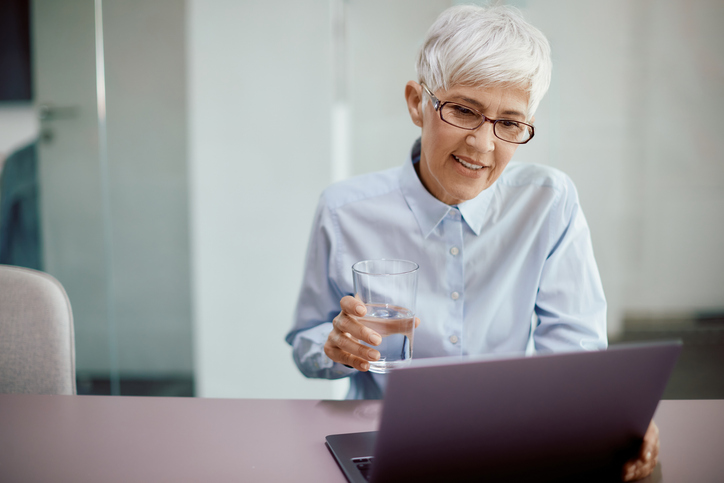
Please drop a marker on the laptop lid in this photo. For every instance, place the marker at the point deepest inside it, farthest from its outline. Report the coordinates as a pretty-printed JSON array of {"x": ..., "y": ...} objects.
[{"x": 519, "y": 417}]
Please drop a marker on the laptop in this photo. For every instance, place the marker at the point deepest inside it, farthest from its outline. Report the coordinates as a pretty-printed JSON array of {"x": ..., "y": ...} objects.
[{"x": 538, "y": 418}]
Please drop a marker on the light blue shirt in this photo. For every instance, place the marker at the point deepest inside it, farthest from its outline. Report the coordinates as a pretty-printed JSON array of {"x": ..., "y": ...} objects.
[{"x": 513, "y": 264}]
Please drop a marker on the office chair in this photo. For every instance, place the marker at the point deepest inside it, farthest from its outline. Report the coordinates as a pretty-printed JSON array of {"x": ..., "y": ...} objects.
[{"x": 37, "y": 344}]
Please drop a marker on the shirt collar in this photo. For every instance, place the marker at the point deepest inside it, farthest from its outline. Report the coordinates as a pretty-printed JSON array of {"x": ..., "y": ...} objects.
[
  {"x": 474, "y": 210},
  {"x": 428, "y": 210}
]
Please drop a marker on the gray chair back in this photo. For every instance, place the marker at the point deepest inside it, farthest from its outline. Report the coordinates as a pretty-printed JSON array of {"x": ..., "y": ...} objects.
[{"x": 37, "y": 342}]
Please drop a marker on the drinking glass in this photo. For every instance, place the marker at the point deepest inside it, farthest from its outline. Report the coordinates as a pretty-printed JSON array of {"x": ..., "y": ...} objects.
[{"x": 388, "y": 289}]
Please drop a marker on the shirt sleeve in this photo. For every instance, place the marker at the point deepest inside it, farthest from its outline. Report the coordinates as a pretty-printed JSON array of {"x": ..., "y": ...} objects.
[
  {"x": 570, "y": 304},
  {"x": 318, "y": 302}
]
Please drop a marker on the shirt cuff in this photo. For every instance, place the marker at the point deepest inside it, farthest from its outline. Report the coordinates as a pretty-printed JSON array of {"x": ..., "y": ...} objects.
[{"x": 310, "y": 357}]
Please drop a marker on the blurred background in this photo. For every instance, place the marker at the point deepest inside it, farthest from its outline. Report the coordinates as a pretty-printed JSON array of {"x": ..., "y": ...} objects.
[{"x": 163, "y": 160}]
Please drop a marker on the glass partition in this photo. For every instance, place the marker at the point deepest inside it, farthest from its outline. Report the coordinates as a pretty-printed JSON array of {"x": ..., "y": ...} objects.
[{"x": 114, "y": 199}]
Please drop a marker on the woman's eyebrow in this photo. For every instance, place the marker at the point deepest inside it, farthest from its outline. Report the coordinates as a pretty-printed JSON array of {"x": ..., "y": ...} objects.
[
  {"x": 480, "y": 107},
  {"x": 513, "y": 113},
  {"x": 475, "y": 103}
]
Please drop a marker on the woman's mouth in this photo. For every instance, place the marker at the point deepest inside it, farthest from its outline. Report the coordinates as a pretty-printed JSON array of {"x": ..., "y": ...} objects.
[{"x": 474, "y": 167}]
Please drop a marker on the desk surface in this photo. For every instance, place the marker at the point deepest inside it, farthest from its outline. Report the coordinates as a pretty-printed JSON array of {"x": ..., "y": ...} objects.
[{"x": 127, "y": 439}]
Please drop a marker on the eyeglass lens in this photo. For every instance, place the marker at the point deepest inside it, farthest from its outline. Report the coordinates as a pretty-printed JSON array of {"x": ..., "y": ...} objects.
[{"x": 466, "y": 118}]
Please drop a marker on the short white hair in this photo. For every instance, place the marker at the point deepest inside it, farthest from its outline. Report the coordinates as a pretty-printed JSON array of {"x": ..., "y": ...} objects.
[{"x": 477, "y": 46}]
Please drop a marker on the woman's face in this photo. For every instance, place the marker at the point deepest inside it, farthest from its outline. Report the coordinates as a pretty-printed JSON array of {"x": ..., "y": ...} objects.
[{"x": 456, "y": 165}]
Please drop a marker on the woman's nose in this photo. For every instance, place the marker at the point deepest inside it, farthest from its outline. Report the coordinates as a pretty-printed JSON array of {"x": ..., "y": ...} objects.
[{"x": 483, "y": 138}]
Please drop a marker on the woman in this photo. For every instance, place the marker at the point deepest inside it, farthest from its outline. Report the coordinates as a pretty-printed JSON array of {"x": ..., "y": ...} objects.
[{"x": 504, "y": 250}]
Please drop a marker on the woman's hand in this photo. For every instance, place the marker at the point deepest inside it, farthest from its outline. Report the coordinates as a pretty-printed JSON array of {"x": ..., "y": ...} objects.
[
  {"x": 642, "y": 465},
  {"x": 343, "y": 344}
]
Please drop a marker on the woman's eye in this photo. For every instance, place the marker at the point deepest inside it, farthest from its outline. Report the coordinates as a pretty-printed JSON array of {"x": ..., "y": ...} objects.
[
  {"x": 511, "y": 125},
  {"x": 462, "y": 111}
]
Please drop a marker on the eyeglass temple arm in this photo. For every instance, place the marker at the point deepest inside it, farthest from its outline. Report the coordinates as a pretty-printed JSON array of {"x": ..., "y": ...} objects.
[{"x": 435, "y": 100}]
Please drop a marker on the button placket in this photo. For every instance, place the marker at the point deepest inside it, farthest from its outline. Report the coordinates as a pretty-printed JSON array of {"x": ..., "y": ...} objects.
[{"x": 452, "y": 232}]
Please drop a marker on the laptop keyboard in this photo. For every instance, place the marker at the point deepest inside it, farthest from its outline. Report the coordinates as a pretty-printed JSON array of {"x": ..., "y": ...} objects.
[{"x": 364, "y": 465}]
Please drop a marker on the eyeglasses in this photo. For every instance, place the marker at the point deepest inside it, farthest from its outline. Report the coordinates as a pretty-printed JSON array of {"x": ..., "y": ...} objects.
[{"x": 465, "y": 117}]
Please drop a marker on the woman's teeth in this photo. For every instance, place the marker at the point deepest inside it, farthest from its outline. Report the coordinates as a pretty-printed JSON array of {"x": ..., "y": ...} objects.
[{"x": 467, "y": 165}]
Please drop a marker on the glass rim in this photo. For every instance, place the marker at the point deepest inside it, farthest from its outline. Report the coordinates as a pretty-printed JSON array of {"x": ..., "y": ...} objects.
[{"x": 414, "y": 267}]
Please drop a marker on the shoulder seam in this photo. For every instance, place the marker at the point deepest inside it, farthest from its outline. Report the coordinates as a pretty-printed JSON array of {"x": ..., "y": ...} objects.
[
  {"x": 554, "y": 178},
  {"x": 361, "y": 195}
]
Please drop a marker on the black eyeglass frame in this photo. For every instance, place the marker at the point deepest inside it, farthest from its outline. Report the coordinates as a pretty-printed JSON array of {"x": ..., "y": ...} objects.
[{"x": 438, "y": 105}]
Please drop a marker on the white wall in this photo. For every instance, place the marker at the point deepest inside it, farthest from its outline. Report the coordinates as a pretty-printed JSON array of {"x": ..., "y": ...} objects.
[
  {"x": 381, "y": 61},
  {"x": 633, "y": 116},
  {"x": 18, "y": 126},
  {"x": 259, "y": 97},
  {"x": 677, "y": 98}
]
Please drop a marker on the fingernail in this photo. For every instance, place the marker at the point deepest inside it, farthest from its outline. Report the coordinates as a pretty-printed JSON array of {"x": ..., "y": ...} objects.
[
  {"x": 375, "y": 339},
  {"x": 365, "y": 366},
  {"x": 361, "y": 309},
  {"x": 374, "y": 355},
  {"x": 648, "y": 456}
]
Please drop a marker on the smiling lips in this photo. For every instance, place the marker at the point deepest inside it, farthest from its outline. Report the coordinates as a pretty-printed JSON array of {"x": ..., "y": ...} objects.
[{"x": 474, "y": 167}]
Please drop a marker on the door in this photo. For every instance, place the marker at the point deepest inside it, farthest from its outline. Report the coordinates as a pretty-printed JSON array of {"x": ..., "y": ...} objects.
[{"x": 110, "y": 80}]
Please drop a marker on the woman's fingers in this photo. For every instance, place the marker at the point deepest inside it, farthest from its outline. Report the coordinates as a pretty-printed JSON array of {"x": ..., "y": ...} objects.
[
  {"x": 338, "y": 355},
  {"x": 643, "y": 465},
  {"x": 343, "y": 348},
  {"x": 352, "y": 306},
  {"x": 343, "y": 343},
  {"x": 349, "y": 324},
  {"x": 347, "y": 343}
]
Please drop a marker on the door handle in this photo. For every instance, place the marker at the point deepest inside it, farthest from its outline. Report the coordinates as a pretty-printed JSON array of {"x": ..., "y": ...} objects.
[{"x": 50, "y": 112}]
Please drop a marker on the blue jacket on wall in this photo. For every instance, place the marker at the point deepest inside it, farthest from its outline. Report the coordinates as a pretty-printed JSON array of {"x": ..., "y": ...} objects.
[{"x": 20, "y": 234}]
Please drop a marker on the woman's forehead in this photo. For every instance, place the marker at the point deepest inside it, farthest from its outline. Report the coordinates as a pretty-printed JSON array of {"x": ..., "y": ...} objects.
[{"x": 506, "y": 100}]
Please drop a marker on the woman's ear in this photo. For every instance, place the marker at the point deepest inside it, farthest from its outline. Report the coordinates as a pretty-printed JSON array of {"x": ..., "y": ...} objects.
[{"x": 413, "y": 96}]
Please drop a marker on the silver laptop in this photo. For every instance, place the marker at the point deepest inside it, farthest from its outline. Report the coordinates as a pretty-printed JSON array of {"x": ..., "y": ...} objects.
[{"x": 539, "y": 418}]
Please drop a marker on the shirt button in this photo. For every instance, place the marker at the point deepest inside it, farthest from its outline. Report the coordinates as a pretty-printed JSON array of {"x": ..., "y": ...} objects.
[
  {"x": 454, "y": 339},
  {"x": 454, "y": 251},
  {"x": 454, "y": 295}
]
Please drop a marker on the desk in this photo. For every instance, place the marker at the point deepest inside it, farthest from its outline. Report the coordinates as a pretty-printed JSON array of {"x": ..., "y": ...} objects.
[{"x": 130, "y": 439}]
